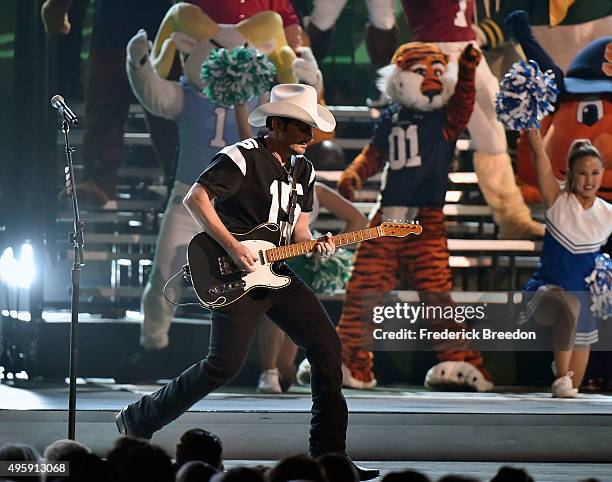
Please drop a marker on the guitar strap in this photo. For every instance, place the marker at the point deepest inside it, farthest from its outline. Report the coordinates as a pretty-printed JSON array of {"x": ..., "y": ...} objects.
[{"x": 292, "y": 201}]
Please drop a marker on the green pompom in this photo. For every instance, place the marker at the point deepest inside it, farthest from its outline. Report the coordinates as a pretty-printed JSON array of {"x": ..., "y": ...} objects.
[
  {"x": 330, "y": 273},
  {"x": 236, "y": 76}
]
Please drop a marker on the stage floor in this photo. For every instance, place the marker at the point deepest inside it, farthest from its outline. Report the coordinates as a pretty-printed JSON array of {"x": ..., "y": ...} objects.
[{"x": 390, "y": 424}]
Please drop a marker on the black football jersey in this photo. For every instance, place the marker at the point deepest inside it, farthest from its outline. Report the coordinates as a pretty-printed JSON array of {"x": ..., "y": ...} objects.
[{"x": 251, "y": 186}]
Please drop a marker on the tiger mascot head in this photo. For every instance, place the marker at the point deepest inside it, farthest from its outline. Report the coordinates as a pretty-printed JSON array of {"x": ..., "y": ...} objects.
[{"x": 419, "y": 77}]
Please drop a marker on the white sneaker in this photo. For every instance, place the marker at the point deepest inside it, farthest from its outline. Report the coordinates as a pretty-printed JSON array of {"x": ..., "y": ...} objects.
[
  {"x": 303, "y": 372},
  {"x": 269, "y": 381},
  {"x": 303, "y": 377},
  {"x": 562, "y": 387}
]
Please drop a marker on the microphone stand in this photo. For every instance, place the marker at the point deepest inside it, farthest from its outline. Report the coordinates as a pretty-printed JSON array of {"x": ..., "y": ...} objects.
[{"x": 77, "y": 240}]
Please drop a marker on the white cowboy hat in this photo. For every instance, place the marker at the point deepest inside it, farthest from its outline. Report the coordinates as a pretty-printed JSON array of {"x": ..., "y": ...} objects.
[{"x": 297, "y": 101}]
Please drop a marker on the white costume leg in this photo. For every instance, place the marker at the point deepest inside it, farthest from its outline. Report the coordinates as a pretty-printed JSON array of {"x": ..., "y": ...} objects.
[
  {"x": 493, "y": 165},
  {"x": 491, "y": 160},
  {"x": 325, "y": 13},
  {"x": 381, "y": 13},
  {"x": 177, "y": 229}
]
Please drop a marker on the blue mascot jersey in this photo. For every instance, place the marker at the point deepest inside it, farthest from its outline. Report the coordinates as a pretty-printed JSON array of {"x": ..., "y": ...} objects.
[
  {"x": 416, "y": 173},
  {"x": 204, "y": 129}
]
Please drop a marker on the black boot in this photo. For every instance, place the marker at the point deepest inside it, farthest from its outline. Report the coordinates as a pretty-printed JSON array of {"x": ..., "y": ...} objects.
[
  {"x": 381, "y": 44},
  {"x": 127, "y": 428},
  {"x": 362, "y": 472},
  {"x": 366, "y": 474},
  {"x": 320, "y": 40}
]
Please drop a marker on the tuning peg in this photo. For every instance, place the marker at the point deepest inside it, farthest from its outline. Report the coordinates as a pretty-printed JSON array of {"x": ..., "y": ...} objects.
[{"x": 418, "y": 222}]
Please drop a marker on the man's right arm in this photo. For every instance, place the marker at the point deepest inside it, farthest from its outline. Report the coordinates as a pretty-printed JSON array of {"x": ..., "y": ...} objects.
[{"x": 198, "y": 202}]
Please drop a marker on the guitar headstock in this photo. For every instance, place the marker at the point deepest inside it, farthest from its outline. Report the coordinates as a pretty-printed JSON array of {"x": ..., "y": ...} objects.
[{"x": 400, "y": 230}]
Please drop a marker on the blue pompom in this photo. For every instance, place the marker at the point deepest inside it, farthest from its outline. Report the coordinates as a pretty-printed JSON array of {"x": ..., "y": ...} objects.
[
  {"x": 600, "y": 285},
  {"x": 526, "y": 95},
  {"x": 236, "y": 76}
]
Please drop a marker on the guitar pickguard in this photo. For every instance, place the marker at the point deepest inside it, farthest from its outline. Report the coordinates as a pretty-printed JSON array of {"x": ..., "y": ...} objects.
[
  {"x": 263, "y": 276},
  {"x": 217, "y": 280}
]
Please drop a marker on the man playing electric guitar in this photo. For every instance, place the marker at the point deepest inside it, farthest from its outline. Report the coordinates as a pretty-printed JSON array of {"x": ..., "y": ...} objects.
[{"x": 251, "y": 183}]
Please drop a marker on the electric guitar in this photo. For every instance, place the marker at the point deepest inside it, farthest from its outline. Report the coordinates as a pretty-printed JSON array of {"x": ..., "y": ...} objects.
[{"x": 218, "y": 282}]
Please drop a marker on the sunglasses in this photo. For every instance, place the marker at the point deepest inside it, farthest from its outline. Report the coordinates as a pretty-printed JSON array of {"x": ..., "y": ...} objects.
[{"x": 302, "y": 126}]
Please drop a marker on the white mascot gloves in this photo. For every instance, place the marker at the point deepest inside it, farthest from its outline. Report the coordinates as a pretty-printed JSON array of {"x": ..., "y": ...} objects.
[
  {"x": 306, "y": 69},
  {"x": 138, "y": 49}
]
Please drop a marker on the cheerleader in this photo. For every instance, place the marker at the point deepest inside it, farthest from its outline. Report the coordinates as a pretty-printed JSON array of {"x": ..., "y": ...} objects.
[{"x": 578, "y": 223}]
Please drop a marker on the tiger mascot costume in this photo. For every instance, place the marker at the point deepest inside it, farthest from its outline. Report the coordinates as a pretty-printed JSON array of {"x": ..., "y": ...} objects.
[{"x": 413, "y": 144}]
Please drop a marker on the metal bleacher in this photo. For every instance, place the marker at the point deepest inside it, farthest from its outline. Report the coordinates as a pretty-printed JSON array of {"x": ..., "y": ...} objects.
[{"x": 121, "y": 235}]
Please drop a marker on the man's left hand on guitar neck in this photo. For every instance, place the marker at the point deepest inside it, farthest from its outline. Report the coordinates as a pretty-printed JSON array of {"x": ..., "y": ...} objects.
[{"x": 325, "y": 246}]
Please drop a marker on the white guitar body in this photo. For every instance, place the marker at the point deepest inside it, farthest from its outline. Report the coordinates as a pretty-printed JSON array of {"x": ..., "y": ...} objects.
[{"x": 263, "y": 276}]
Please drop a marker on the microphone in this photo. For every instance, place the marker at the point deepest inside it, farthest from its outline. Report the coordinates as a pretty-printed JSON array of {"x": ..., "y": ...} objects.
[{"x": 57, "y": 102}]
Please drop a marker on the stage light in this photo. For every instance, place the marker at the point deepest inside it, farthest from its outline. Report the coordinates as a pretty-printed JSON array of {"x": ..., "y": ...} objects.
[
  {"x": 18, "y": 273},
  {"x": 8, "y": 267},
  {"x": 27, "y": 271}
]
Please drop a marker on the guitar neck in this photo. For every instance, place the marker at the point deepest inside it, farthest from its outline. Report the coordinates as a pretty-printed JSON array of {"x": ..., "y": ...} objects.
[{"x": 299, "y": 249}]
